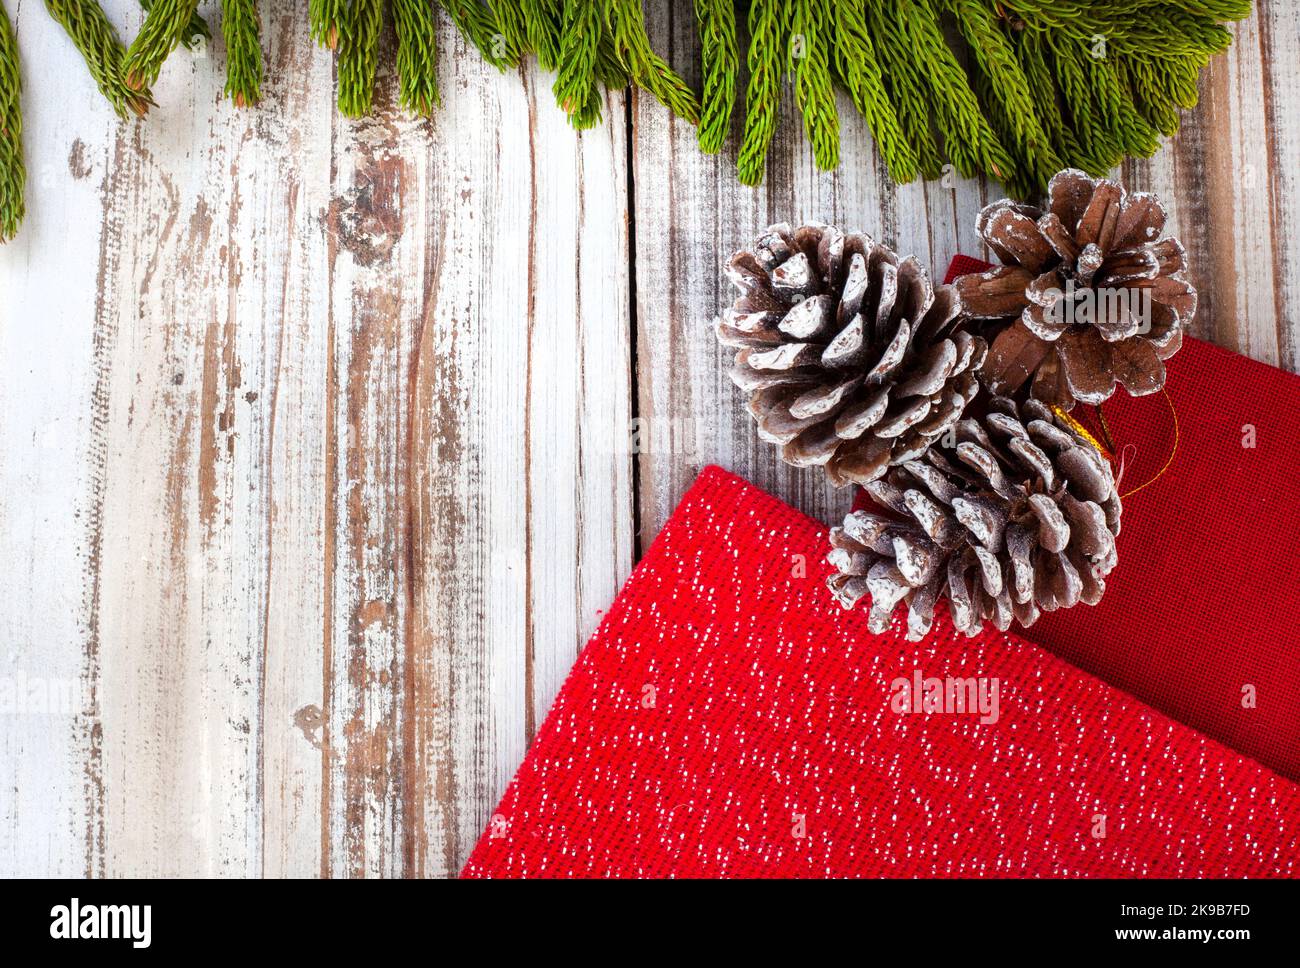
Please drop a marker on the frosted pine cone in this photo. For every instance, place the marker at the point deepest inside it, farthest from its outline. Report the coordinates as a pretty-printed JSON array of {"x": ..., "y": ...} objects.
[
  {"x": 852, "y": 359},
  {"x": 1019, "y": 516},
  {"x": 1089, "y": 293}
]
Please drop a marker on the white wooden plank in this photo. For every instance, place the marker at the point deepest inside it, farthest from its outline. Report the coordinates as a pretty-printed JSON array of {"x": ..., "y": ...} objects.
[
  {"x": 347, "y": 403},
  {"x": 49, "y": 466}
]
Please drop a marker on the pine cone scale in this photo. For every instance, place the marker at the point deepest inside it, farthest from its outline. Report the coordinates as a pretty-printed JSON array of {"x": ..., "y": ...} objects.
[
  {"x": 851, "y": 358},
  {"x": 996, "y": 293},
  {"x": 1090, "y": 270},
  {"x": 1021, "y": 498}
]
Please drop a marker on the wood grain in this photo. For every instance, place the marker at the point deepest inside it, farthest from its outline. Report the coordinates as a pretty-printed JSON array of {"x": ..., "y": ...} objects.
[
  {"x": 350, "y": 484},
  {"x": 324, "y": 443}
]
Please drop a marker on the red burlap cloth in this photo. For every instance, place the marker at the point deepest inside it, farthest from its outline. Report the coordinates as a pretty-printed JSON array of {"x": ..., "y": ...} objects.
[
  {"x": 1200, "y": 612},
  {"x": 729, "y": 719}
]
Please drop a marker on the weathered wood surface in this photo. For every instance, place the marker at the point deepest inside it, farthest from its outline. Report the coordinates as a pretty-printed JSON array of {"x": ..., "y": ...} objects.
[{"x": 314, "y": 434}]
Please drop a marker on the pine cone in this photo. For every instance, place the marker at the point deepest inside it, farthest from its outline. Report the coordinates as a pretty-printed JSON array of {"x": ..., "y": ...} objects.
[
  {"x": 1089, "y": 293},
  {"x": 852, "y": 359},
  {"x": 1020, "y": 515}
]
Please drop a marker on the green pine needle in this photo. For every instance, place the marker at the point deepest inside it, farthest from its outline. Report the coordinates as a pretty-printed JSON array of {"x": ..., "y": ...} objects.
[
  {"x": 647, "y": 69},
  {"x": 902, "y": 78},
  {"x": 809, "y": 63},
  {"x": 163, "y": 28},
  {"x": 720, "y": 56},
  {"x": 543, "y": 20},
  {"x": 93, "y": 35},
  {"x": 13, "y": 175},
  {"x": 1031, "y": 54},
  {"x": 326, "y": 18},
  {"x": 239, "y": 27},
  {"x": 417, "y": 55},
  {"x": 358, "y": 54},
  {"x": 196, "y": 31},
  {"x": 575, "y": 88},
  {"x": 478, "y": 24},
  {"x": 767, "y": 39},
  {"x": 512, "y": 28},
  {"x": 1010, "y": 88},
  {"x": 859, "y": 71},
  {"x": 1009, "y": 97},
  {"x": 969, "y": 139}
]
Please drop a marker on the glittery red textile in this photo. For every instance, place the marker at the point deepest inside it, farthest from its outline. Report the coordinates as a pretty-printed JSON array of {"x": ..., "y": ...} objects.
[
  {"x": 729, "y": 719},
  {"x": 1204, "y": 599}
]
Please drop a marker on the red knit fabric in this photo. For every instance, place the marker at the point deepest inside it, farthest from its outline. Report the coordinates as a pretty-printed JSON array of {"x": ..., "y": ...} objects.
[
  {"x": 729, "y": 719},
  {"x": 1204, "y": 599}
]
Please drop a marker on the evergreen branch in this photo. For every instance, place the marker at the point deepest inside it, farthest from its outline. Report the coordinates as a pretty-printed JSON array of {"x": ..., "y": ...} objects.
[
  {"x": 163, "y": 28},
  {"x": 646, "y": 68},
  {"x": 720, "y": 55},
  {"x": 609, "y": 69},
  {"x": 1161, "y": 87},
  {"x": 239, "y": 27},
  {"x": 478, "y": 24},
  {"x": 1151, "y": 28},
  {"x": 1094, "y": 152},
  {"x": 543, "y": 20},
  {"x": 417, "y": 55},
  {"x": 196, "y": 31},
  {"x": 1032, "y": 56},
  {"x": 359, "y": 56},
  {"x": 767, "y": 38},
  {"x": 327, "y": 18},
  {"x": 1129, "y": 131},
  {"x": 13, "y": 174},
  {"x": 969, "y": 139},
  {"x": 859, "y": 72},
  {"x": 1032, "y": 85},
  {"x": 93, "y": 35},
  {"x": 809, "y": 63},
  {"x": 902, "y": 80},
  {"x": 580, "y": 46},
  {"x": 1019, "y": 182},
  {"x": 512, "y": 29},
  {"x": 1008, "y": 90}
]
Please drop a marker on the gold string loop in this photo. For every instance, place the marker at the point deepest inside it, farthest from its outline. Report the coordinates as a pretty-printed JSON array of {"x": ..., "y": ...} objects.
[{"x": 1083, "y": 432}]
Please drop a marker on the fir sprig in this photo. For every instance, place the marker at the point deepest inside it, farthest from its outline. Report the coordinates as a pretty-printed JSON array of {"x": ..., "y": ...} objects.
[
  {"x": 648, "y": 70},
  {"x": 196, "y": 31},
  {"x": 1031, "y": 54},
  {"x": 512, "y": 29},
  {"x": 93, "y": 35},
  {"x": 239, "y": 27},
  {"x": 543, "y": 20},
  {"x": 576, "y": 89},
  {"x": 902, "y": 78},
  {"x": 1008, "y": 95},
  {"x": 969, "y": 139},
  {"x": 858, "y": 70},
  {"x": 164, "y": 26},
  {"x": 13, "y": 175},
  {"x": 417, "y": 55},
  {"x": 478, "y": 24},
  {"x": 359, "y": 56},
  {"x": 767, "y": 38},
  {"x": 327, "y": 18},
  {"x": 1011, "y": 88},
  {"x": 720, "y": 55},
  {"x": 809, "y": 64}
]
